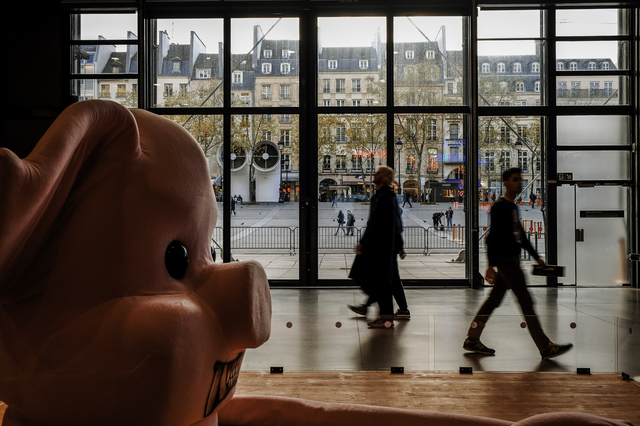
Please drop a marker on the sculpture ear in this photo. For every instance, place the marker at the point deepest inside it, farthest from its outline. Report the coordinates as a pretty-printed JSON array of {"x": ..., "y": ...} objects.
[{"x": 33, "y": 190}]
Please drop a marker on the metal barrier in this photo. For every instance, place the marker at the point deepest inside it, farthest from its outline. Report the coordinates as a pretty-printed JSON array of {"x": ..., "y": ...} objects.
[
  {"x": 534, "y": 238},
  {"x": 444, "y": 239},
  {"x": 279, "y": 239},
  {"x": 332, "y": 239}
]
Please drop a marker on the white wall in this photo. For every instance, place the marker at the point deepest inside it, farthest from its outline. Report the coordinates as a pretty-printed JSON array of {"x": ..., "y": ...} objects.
[{"x": 267, "y": 186}]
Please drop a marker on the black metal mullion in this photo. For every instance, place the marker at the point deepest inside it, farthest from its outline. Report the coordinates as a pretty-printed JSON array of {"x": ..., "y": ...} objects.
[
  {"x": 472, "y": 217},
  {"x": 308, "y": 152},
  {"x": 143, "y": 69},
  {"x": 101, "y": 42},
  {"x": 549, "y": 196},
  {"x": 391, "y": 153},
  {"x": 226, "y": 143},
  {"x": 634, "y": 86}
]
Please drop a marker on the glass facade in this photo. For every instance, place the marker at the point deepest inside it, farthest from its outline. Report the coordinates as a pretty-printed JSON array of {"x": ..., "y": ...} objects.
[{"x": 295, "y": 113}]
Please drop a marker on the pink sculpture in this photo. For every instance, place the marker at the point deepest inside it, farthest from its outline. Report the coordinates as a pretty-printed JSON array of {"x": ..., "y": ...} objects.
[{"x": 112, "y": 309}]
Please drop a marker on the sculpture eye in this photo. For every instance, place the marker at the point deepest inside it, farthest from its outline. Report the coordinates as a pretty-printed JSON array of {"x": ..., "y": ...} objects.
[{"x": 176, "y": 259}]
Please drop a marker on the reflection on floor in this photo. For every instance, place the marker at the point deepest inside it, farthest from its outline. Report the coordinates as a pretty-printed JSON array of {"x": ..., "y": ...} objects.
[{"x": 312, "y": 329}]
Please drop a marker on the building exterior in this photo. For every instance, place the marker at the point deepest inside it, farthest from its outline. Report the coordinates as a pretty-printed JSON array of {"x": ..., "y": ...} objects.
[{"x": 432, "y": 152}]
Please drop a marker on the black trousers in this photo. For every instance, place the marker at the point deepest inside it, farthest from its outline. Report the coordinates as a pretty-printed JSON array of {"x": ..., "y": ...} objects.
[
  {"x": 510, "y": 276},
  {"x": 385, "y": 294}
]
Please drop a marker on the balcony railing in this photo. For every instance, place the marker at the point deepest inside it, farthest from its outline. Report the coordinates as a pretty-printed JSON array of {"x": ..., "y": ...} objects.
[{"x": 453, "y": 158}]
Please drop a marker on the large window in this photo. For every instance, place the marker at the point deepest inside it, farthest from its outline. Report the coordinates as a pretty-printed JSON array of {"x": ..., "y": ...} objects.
[{"x": 400, "y": 99}]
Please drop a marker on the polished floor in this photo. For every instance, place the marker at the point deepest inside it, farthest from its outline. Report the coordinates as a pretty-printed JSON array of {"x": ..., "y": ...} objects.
[{"x": 312, "y": 329}]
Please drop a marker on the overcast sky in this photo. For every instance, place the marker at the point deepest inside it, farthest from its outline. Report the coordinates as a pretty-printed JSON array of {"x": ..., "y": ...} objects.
[{"x": 360, "y": 31}]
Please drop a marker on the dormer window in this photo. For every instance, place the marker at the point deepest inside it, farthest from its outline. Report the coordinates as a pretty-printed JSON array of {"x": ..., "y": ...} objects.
[
  {"x": 176, "y": 66},
  {"x": 486, "y": 68},
  {"x": 286, "y": 54},
  {"x": 266, "y": 68},
  {"x": 560, "y": 66},
  {"x": 285, "y": 68},
  {"x": 267, "y": 53},
  {"x": 517, "y": 67},
  {"x": 364, "y": 64},
  {"x": 605, "y": 65},
  {"x": 431, "y": 54},
  {"x": 535, "y": 67},
  {"x": 502, "y": 68},
  {"x": 408, "y": 54},
  {"x": 520, "y": 86},
  {"x": 202, "y": 73},
  {"x": 573, "y": 66},
  {"x": 237, "y": 77},
  {"x": 333, "y": 64},
  {"x": 591, "y": 66}
]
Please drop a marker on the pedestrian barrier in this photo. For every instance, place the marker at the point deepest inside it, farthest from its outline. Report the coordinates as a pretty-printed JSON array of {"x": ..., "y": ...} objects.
[
  {"x": 534, "y": 238},
  {"x": 331, "y": 239}
]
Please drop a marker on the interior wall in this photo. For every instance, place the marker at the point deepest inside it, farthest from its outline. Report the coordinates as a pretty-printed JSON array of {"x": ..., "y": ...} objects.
[{"x": 34, "y": 96}]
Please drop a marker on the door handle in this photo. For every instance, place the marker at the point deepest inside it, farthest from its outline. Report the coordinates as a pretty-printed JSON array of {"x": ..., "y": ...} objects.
[{"x": 579, "y": 235}]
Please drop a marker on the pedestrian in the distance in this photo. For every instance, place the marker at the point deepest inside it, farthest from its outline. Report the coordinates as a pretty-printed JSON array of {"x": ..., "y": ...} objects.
[
  {"x": 334, "y": 202},
  {"x": 351, "y": 221},
  {"x": 234, "y": 200},
  {"x": 449, "y": 215},
  {"x": 340, "y": 223},
  {"x": 406, "y": 199},
  {"x": 437, "y": 216},
  {"x": 533, "y": 198},
  {"x": 504, "y": 242}
]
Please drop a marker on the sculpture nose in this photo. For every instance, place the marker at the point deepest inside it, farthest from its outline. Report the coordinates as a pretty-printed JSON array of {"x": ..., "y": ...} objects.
[{"x": 239, "y": 295}]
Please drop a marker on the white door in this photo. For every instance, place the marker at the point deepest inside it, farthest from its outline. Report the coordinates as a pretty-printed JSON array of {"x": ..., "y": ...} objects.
[{"x": 592, "y": 235}]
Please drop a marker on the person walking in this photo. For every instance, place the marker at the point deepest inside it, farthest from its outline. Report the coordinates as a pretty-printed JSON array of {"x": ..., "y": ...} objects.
[
  {"x": 351, "y": 221},
  {"x": 340, "y": 223},
  {"x": 396, "y": 285},
  {"x": 234, "y": 200},
  {"x": 533, "y": 199},
  {"x": 377, "y": 249},
  {"x": 506, "y": 238},
  {"x": 334, "y": 202},
  {"x": 406, "y": 199},
  {"x": 449, "y": 215}
]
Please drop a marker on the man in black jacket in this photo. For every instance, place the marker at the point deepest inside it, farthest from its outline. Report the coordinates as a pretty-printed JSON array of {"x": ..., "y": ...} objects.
[{"x": 506, "y": 238}]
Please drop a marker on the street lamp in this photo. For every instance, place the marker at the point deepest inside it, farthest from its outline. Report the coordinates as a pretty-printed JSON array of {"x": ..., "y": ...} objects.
[
  {"x": 280, "y": 195},
  {"x": 398, "y": 149},
  {"x": 518, "y": 145}
]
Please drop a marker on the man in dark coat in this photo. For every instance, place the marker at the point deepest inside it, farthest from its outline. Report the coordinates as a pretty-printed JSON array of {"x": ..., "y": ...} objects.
[{"x": 505, "y": 240}]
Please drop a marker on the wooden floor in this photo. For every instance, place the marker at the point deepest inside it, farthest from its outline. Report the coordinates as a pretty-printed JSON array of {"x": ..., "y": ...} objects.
[{"x": 520, "y": 395}]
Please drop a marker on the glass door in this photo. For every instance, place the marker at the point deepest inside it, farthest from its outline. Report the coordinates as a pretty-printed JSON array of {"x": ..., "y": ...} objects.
[{"x": 592, "y": 231}]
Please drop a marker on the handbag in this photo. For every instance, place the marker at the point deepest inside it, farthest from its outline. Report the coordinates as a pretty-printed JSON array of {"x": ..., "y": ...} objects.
[{"x": 361, "y": 273}]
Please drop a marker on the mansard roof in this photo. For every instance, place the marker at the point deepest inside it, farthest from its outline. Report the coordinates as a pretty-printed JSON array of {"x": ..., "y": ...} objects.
[
  {"x": 116, "y": 59},
  {"x": 347, "y": 53},
  {"x": 277, "y": 46}
]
